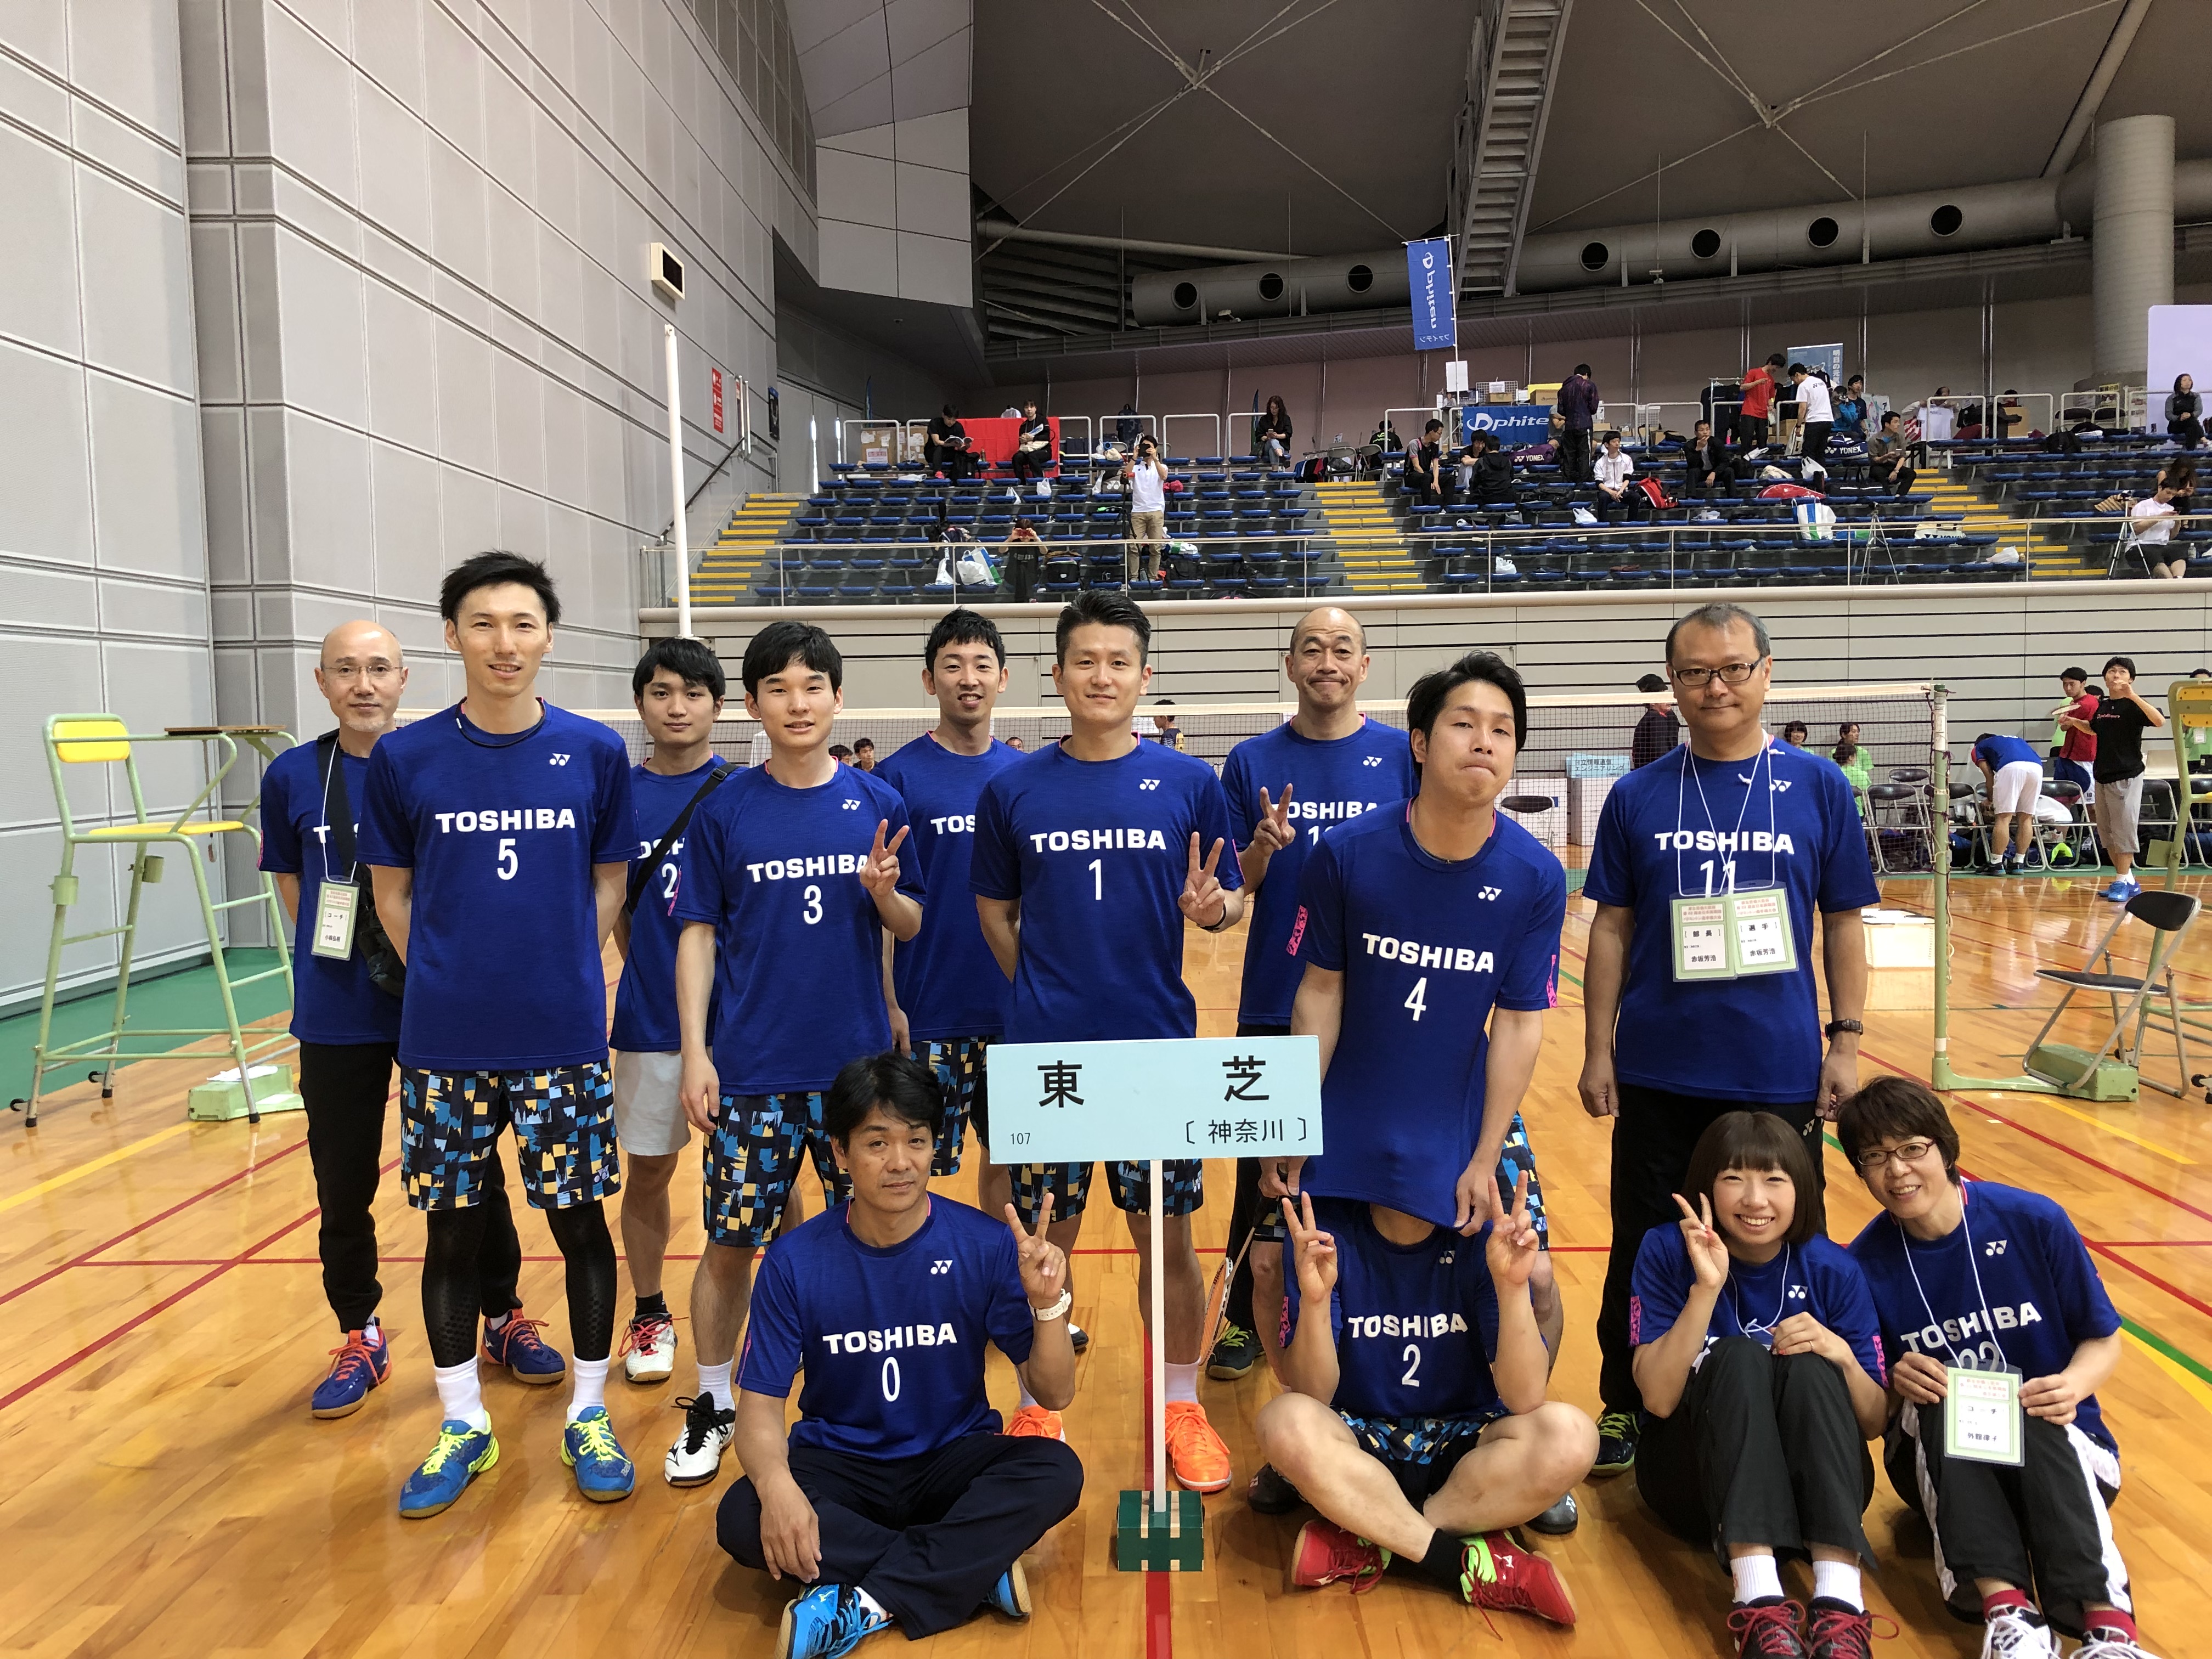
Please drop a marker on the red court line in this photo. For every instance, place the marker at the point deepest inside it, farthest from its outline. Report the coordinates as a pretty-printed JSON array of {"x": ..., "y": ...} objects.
[
  {"x": 85, "y": 1259},
  {"x": 2174, "y": 1290},
  {"x": 1159, "y": 1626}
]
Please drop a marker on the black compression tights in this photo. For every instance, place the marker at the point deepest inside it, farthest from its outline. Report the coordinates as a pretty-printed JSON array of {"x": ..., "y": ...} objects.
[{"x": 451, "y": 1296}]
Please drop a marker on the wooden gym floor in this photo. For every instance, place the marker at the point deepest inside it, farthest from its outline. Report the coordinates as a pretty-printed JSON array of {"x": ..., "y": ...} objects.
[{"x": 166, "y": 1491}]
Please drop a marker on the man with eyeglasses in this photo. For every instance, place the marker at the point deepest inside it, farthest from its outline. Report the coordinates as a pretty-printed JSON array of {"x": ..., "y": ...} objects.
[
  {"x": 1700, "y": 998},
  {"x": 345, "y": 1003}
]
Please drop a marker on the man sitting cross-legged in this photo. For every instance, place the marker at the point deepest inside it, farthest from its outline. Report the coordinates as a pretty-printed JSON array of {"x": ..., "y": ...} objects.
[
  {"x": 897, "y": 1497},
  {"x": 1416, "y": 1421}
]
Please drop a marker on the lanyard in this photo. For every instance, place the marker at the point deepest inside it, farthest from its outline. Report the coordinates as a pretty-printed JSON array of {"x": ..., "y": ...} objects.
[
  {"x": 337, "y": 759},
  {"x": 1736, "y": 1297},
  {"x": 1973, "y": 1267},
  {"x": 1688, "y": 770}
]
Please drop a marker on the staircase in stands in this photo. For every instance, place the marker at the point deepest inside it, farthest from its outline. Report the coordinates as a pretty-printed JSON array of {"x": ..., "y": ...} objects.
[
  {"x": 2048, "y": 553},
  {"x": 1370, "y": 542},
  {"x": 744, "y": 554}
]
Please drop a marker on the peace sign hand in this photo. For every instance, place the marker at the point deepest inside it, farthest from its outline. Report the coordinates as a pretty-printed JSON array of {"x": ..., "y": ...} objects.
[
  {"x": 1043, "y": 1263},
  {"x": 1202, "y": 895},
  {"x": 1272, "y": 832},
  {"x": 1514, "y": 1241},
  {"x": 1709, "y": 1256},
  {"x": 1313, "y": 1252},
  {"x": 880, "y": 873}
]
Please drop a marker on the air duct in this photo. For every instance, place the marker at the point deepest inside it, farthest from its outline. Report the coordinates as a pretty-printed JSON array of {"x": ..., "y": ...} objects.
[
  {"x": 1278, "y": 288},
  {"x": 2011, "y": 214}
]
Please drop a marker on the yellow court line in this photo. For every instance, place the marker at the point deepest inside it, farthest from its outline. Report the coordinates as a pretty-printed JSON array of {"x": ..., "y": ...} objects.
[
  {"x": 2194, "y": 1386},
  {"x": 96, "y": 1164},
  {"x": 2094, "y": 1121}
]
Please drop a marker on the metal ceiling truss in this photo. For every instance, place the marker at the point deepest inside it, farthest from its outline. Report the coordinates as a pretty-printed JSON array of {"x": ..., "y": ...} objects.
[{"x": 1512, "y": 67}]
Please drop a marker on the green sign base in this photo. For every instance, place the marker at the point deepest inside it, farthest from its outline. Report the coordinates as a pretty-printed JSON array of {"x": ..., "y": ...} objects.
[
  {"x": 2060, "y": 1063},
  {"x": 217, "y": 1102},
  {"x": 1146, "y": 1540}
]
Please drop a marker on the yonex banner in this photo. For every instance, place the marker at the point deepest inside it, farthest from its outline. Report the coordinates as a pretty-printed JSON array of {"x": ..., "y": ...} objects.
[
  {"x": 1428, "y": 271},
  {"x": 1515, "y": 424}
]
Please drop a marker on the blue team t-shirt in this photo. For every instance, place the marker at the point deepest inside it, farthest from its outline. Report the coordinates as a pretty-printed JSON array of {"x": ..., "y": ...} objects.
[
  {"x": 1097, "y": 852},
  {"x": 2001, "y": 751},
  {"x": 645, "y": 1000},
  {"x": 1416, "y": 1325},
  {"x": 2012, "y": 1285},
  {"x": 892, "y": 1341},
  {"x": 1817, "y": 1277},
  {"x": 1427, "y": 949},
  {"x": 1677, "y": 828},
  {"x": 949, "y": 983},
  {"x": 798, "y": 966},
  {"x": 502, "y": 830},
  {"x": 1330, "y": 782},
  {"x": 332, "y": 1001}
]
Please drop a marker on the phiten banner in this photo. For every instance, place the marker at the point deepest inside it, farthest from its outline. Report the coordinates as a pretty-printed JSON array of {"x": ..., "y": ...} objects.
[{"x": 1428, "y": 269}]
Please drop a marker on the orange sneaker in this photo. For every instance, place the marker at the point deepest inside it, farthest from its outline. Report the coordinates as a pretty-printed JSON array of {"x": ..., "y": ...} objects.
[
  {"x": 1325, "y": 1553},
  {"x": 1497, "y": 1572},
  {"x": 1035, "y": 1423},
  {"x": 1195, "y": 1452}
]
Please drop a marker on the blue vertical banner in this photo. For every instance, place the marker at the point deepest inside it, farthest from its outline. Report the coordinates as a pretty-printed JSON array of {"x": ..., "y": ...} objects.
[{"x": 1428, "y": 271}]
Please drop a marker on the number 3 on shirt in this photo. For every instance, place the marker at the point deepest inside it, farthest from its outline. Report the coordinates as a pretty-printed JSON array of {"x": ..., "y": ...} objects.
[{"x": 812, "y": 913}]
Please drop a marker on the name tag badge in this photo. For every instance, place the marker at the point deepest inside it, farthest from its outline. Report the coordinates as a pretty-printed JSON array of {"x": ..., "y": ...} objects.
[
  {"x": 1732, "y": 935},
  {"x": 334, "y": 920},
  {"x": 1982, "y": 1418}
]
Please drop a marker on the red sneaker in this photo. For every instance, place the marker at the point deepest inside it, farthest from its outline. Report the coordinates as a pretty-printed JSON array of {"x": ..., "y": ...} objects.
[
  {"x": 1497, "y": 1572},
  {"x": 1326, "y": 1552},
  {"x": 1769, "y": 1629}
]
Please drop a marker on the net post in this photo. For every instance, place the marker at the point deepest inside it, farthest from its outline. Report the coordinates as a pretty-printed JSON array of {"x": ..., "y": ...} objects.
[
  {"x": 1158, "y": 1380},
  {"x": 1939, "y": 1063}
]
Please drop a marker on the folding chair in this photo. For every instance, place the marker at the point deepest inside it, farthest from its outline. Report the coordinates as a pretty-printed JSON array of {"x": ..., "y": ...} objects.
[{"x": 2169, "y": 916}]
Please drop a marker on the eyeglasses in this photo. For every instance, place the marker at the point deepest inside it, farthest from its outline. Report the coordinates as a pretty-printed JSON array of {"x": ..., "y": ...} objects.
[
  {"x": 1906, "y": 1152},
  {"x": 347, "y": 673},
  {"x": 1730, "y": 673}
]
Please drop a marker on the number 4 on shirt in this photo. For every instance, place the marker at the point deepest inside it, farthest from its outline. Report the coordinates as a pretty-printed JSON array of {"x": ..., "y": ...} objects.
[{"x": 1418, "y": 1001}]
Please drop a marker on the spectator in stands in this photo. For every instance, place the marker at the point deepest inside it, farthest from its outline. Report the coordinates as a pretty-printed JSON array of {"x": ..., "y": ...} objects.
[
  {"x": 1490, "y": 469},
  {"x": 1015, "y": 742},
  {"x": 864, "y": 754},
  {"x": 2015, "y": 781},
  {"x": 1147, "y": 481},
  {"x": 1889, "y": 456},
  {"x": 2184, "y": 412},
  {"x": 1795, "y": 734},
  {"x": 1816, "y": 410},
  {"x": 2150, "y": 522},
  {"x": 1032, "y": 444},
  {"x": 1613, "y": 471},
  {"x": 1385, "y": 437},
  {"x": 1707, "y": 459},
  {"x": 1851, "y": 410},
  {"x": 1658, "y": 731},
  {"x": 1758, "y": 388},
  {"x": 1023, "y": 550},
  {"x": 1577, "y": 405},
  {"x": 1127, "y": 425},
  {"x": 1852, "y": 759},
  {"x": 2121, "y": 719},
  {"x": 2074, "y": 741},
  {"x": 1423, "y": 469},
  {"x": 1271, "y": 436},
  {"x": 944, "y": 446}
]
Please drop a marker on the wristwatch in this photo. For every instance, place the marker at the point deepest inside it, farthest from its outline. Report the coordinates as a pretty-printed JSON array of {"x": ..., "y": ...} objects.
[
  {"x": 1855, "y": 1027},
  {"x": 1058, "y": 1310}
]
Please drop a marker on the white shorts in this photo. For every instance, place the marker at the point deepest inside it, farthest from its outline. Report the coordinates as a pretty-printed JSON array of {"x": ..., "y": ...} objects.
[
  {"x": 2018, "y": 784},
  {"x": 649, "y": 1118}
]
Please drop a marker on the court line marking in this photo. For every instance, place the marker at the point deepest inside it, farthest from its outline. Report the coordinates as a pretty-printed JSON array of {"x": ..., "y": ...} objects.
[
  {"x": 94, "y": 1165},
  {"x": 2195, "y": 1380},
  {"x": 2094, "y": 1121}
]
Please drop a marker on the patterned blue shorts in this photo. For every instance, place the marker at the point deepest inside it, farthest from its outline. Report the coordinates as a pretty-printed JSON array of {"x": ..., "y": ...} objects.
[
  {"x": 1420, "y": 1452},
  {"x": 753, "y": 1157},
  {"x": 959, "y": 1063},
  {"x": 1514, "y": 1157},
  {"x": 1130, "y": 1184},
  {"x": 564, "y": 1135}
]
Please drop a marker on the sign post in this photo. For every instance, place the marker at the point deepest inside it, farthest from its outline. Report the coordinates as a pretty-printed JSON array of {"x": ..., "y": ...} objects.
[{"x": 1149, "y": 1102}]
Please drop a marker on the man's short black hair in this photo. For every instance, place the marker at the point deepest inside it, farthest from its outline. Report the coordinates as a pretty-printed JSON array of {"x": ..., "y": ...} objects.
[
  {"x": 776, "y": 646},
  {"x": 905, "y": 1086},
  {"x": 2110, "y": 663},
  {"x": 1776, "y": 360},
  {"x": 1652, "y": 683},
  {"x": 690, "y": 660},
  {"x": 1889, "y": 415},
  {"x": 859, "y": 743},
  {"x": 492, "y": 570},
  {"x": 1433, "y": 426},
  {"x": 1582, "y": 368},
  {"x": 1103, "y": 608},
  {"x": 2077, "y": 673},
  {"x": 1721, "y": 616},
  {"x": 1897, "y": 1109},
  {"x": 1855, "y": 380},
  {"x": 1427, "y": 699},
  {"x": 964, "y": 626},
  {"x": 1799, "y": 368}
]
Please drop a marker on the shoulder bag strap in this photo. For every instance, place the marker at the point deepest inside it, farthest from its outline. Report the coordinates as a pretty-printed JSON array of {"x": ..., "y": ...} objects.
[{"x": 639, "y": 877}]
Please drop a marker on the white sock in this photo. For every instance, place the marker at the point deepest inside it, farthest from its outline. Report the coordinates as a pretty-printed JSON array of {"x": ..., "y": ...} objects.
[
  {"x": 499, "y": 1323},
  {"x": 591, "y": 1376},
  {"x": 1183, "y": 1381},
  {"x": 1839, "y": 1582},
  {"x": 714, "y": 1384},
  {"x": 371, "y": 1332},
  {"x": 461, "y": 1394},
  {"x": 1755, "y": 1578},
  {"x": 875, "y": 1607},
  {"x": 1028, "y": 1399}
]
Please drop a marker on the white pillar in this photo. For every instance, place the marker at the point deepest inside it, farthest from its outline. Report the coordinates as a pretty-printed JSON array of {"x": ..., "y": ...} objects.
[
  {"x": 677, "y": 533},
  {"x": 2132, "y": 247}
]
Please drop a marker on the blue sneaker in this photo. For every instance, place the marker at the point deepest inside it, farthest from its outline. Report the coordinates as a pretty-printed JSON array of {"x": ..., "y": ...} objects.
[
  {"x": 604, "y": 1472},
  {"x": 462, "y": 1454},
  {"x": 516, "y": 1345},
  {"x": 361, "y": 1362},
  {"x": 2122, "y": 890},
  {"x": 1011, "y": 1595},
  {"x": 828, "y": 1621}
]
